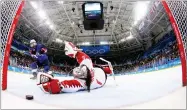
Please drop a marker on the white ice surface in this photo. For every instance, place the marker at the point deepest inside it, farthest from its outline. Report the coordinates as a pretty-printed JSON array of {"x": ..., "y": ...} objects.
[{"x": 131, "y": 90}]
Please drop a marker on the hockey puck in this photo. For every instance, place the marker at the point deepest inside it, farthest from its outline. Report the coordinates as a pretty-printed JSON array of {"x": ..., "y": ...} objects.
[{"x": 29, "y": 97}]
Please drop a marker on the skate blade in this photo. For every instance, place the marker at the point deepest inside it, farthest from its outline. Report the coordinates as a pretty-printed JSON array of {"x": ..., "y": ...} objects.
[{"x": 33, "y": 78}]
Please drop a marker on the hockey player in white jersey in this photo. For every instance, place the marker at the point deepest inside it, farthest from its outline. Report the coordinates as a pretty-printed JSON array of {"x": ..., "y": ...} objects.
[{"x": 86, "y": 77}]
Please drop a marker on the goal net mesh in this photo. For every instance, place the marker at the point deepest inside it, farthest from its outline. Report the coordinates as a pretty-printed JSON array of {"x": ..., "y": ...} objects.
[
  {"x": 178, "y": 11},
  {"x": 9, "y": 9}
]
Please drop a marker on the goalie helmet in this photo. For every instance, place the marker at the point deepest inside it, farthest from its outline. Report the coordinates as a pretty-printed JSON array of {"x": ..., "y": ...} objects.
[
  {"x": 80, "y": 72},
  {"x": 70, "y": 49},
  {"x": 33, "y": 43}
]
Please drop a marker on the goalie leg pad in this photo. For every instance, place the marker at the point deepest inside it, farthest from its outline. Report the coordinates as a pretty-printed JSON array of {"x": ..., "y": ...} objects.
[
  {"x": 73, "y": 85},
  {"x": 52, "y": 87}
]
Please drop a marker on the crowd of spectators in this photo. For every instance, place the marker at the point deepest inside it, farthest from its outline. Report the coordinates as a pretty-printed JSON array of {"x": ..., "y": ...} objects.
[
  {"x": 21, "y": 60},
  {"x": 66, "y": 69},
  {"x": 156, "y": 58}
]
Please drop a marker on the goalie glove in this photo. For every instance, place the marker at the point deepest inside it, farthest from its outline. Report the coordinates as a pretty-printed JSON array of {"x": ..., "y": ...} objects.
[
  {"x": 48, "y": 84},
  {"x": 43, "y": 50}
]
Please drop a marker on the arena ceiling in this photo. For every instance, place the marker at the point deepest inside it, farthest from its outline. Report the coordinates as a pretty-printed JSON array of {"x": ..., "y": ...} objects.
[{"x": 130, "y": 26}]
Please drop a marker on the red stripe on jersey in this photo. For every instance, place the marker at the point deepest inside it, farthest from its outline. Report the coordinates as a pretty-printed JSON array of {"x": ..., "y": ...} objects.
[
  {"x": 71, "y": 83},
  {"x": 98, "y": 82}
]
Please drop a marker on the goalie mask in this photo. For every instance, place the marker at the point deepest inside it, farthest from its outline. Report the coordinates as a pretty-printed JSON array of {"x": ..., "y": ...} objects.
[
  {"x": 70, "y": 49},
  {"x": 80, "y": 72}
]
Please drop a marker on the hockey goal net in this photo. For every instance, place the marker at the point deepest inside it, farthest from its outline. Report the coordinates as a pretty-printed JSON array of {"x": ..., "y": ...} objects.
[
  {"x": 11, "y": 10},
  {"x": 177, "y": 13}
]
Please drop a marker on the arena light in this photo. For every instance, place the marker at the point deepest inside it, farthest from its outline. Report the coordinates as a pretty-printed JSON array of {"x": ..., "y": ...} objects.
[
  {"x": 59, "y": 40},
  {"x": 86, "y": 43},
  {"x": 48, "y": 22},
  {"x": 122, "y": 40},
  {"x": 72, "y": 23},
  {"x": 51, "y": 26},
  {"x": 135, "y": 22},
  {"x": 61, "y": 2},
  {"x": 127, "y": 38},
  {"x": 130, "y": 37},
  {"x": 103, "y": 42},
  {"x": 140, "y": 10},
  {"x": 114, "y": 21},
  {"x": 42, "y": 14},
  {"x": 34, "y": 4}
]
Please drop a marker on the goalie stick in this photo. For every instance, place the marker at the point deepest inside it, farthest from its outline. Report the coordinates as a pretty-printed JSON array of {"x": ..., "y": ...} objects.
[{"x": 111, "y": 68}]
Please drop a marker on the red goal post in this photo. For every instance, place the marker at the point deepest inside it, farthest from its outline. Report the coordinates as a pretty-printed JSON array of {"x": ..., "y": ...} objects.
[
  {"x": 11, "y": 10},
  {"x": 177, "y": 13}
]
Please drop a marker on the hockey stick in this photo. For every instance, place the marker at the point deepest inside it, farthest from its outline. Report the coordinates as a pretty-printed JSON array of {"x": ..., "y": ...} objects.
[{"x": 111, "y": 68}]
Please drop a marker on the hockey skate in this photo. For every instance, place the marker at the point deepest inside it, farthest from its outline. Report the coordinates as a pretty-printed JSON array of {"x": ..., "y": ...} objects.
[
  {"x": 34, "y": 77},
  {"x": 34, "y": 72},
  {"x": 50, "y": 73}
]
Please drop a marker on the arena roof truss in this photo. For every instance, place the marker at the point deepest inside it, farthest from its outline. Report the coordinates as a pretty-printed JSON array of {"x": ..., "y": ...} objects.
[{"x": 51, "y": 22}]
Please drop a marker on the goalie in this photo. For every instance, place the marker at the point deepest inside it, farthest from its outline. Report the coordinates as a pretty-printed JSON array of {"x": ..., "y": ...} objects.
[{"x": 86, "y": 77}]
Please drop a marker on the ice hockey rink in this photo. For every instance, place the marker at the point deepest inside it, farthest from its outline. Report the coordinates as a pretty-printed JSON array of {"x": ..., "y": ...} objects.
[{"x": 158, "y": 89}]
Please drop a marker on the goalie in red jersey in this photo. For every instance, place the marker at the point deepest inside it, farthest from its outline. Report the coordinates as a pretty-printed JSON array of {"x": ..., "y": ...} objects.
[{"x": 86, "y": 77}]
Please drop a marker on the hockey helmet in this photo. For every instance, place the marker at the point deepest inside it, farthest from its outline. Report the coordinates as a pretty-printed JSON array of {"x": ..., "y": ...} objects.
[{"x": 33, "y": 43}]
